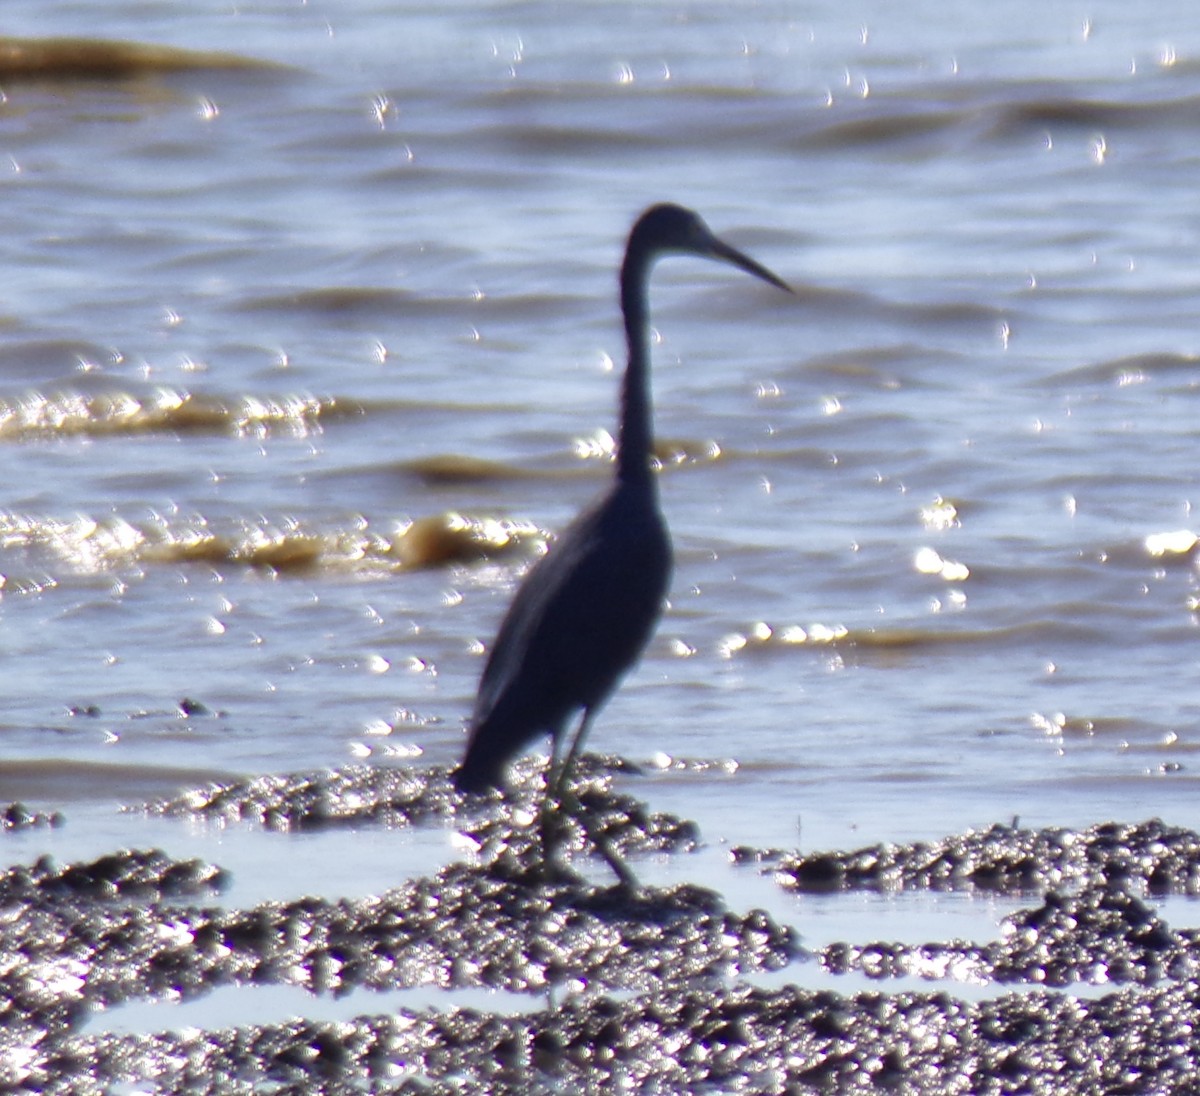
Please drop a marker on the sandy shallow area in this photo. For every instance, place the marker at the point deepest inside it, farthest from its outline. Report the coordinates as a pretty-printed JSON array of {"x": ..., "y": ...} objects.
[{"x": 661, "y": 989}]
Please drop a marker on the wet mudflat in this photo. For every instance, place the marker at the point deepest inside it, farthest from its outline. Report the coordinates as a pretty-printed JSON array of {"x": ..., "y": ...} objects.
[{"x": 663, "y": 989}]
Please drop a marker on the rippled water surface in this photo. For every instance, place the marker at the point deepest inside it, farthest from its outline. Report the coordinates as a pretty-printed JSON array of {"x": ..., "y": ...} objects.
[{"x": 308, "y": 343}]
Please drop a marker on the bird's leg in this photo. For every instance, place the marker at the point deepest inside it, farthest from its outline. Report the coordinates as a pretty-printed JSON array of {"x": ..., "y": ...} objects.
[
  {"x": 558, "y": 787},
  {"x": 585, "y": 725},
  {"x": 549, "y": 826},
  {"x": 571, "y": 804}
]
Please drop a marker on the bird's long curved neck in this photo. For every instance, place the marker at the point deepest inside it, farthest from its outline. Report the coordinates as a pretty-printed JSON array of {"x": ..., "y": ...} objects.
[{"x": 636, "y": 430}]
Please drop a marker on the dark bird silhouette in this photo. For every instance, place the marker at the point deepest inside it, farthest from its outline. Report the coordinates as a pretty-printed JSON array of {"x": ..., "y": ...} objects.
[{"x": 584, "y": 613}]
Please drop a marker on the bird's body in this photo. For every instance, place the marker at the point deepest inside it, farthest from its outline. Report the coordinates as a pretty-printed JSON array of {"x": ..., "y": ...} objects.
[
  {"x": 585, "y": 612},
  {"x": 615, "y": 559}
]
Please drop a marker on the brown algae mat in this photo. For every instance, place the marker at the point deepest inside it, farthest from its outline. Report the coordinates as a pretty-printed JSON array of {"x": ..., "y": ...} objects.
[{"x": 658, "y": 990}]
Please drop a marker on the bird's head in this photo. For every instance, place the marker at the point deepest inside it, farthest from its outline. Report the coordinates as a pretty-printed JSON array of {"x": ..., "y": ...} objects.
[{"x": 666, "y": 229}]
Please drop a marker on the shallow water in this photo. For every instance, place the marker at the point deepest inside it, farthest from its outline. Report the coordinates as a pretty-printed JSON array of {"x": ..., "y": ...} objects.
[{"x": 257, "y": 321}]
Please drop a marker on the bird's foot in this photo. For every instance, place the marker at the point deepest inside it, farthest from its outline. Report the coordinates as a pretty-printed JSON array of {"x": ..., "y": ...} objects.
[
  {"x": 554, "y": 871},
  {"x": 573, "y": 808},
  {"x": 553, "y": 830},
  {"x": 626, "y": 878}
]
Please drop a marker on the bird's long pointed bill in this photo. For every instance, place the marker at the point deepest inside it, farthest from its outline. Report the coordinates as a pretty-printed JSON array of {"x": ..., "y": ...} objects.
[{"x": 722, "y": 250}]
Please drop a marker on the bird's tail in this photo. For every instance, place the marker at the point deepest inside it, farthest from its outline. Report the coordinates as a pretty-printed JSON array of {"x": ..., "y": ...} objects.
[{"x": 481, "y": 769}]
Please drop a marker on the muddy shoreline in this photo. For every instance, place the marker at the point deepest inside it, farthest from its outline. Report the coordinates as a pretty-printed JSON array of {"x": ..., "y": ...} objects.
[{"x": 646, "y": 991}]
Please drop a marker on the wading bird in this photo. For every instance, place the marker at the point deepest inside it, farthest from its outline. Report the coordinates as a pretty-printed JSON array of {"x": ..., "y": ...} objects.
[{"x": 586, "y": 610}]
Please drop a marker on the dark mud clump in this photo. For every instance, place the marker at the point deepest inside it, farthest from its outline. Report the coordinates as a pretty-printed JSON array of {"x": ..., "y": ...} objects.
[
  {"x": 1100, "y": 937},
  {"x": 17, "y": 816},
  {"x": 741, "y": 1040},
  {"x": 1007, "y": 860},
  {"x": 653, "y": 990},
  {"x": 361, "y": 795}
]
